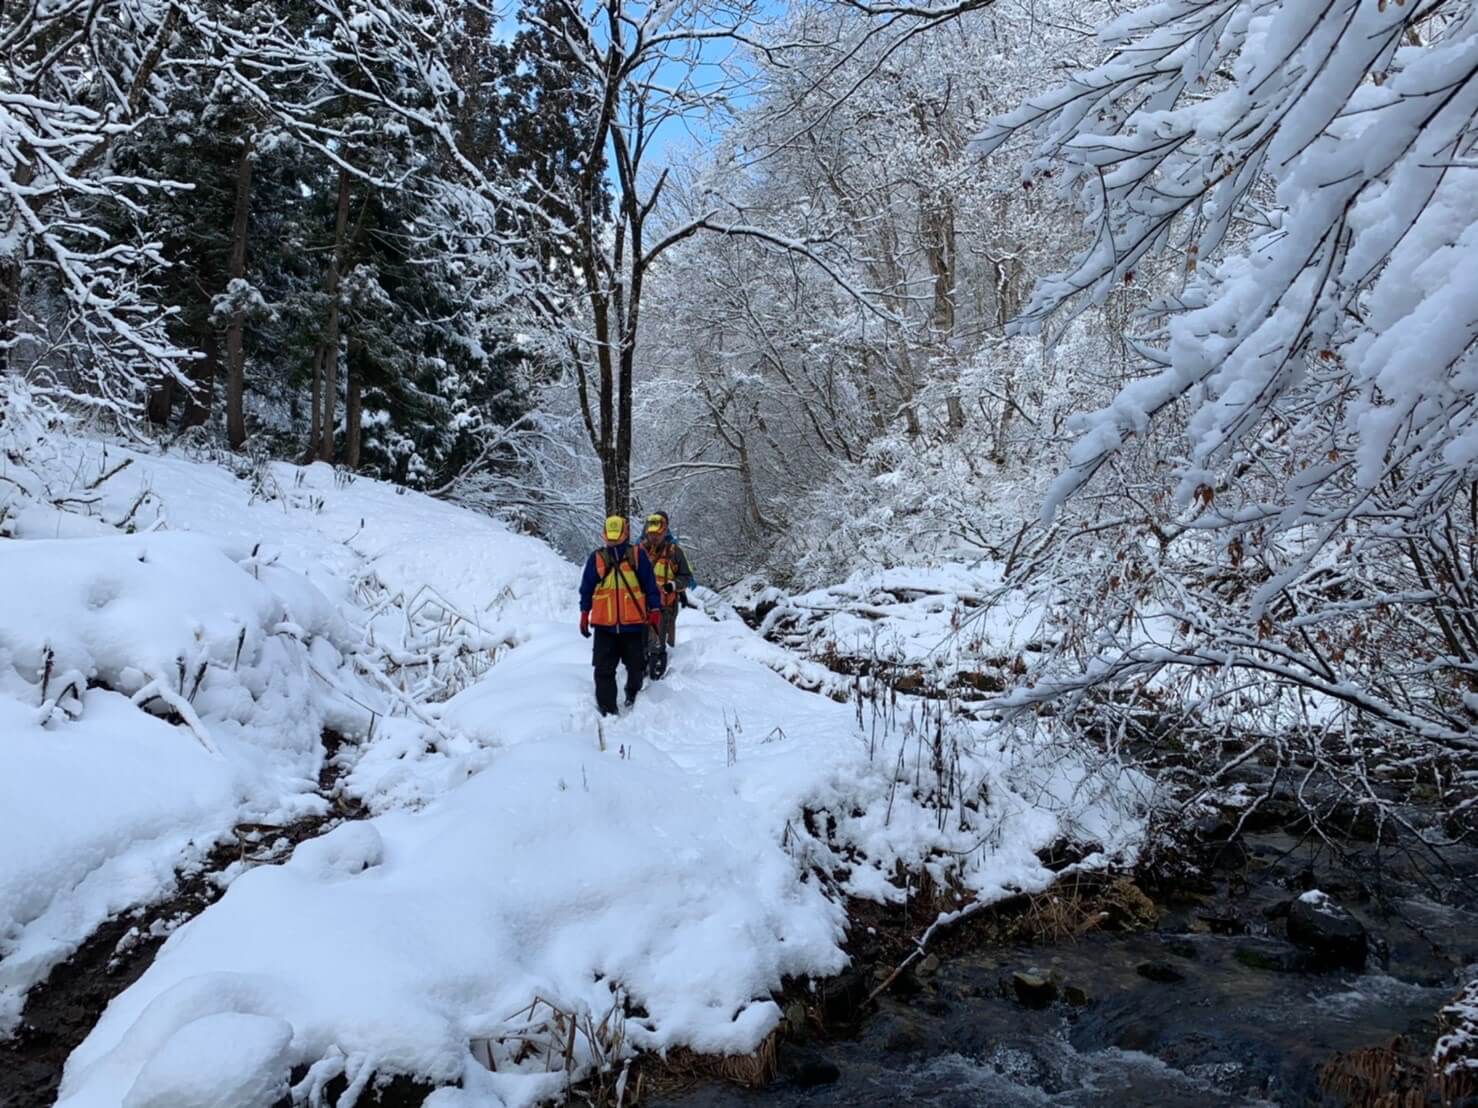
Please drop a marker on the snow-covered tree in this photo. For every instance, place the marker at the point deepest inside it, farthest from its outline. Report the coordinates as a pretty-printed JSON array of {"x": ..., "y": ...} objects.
[
  {"x": 815, "y": 423},
  {"x": 79, "y": 314},
  {"x": 1282, "y": 504}
]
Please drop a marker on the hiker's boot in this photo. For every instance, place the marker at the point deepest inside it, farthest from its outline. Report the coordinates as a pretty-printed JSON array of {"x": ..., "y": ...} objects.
[{"x": 631, "y": 700}]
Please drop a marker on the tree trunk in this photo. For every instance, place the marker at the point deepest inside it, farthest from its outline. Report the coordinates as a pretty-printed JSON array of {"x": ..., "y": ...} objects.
[
  {"x": 235, "y": 355},
  {"x": 201, "y": 394},
  {"x": 161, "y": 402},
  {"x": 939, "y": 235},
  {"x": 353, "y": 403},
  {"x": 751, "y": 495},
  {"x": 622, "y": 460},
  {"x": 1008, "y": 414},
  {"x": 331, "y": 338},
  {"x": 316, "y": 428},
  {"x": 10, "y": 309},
  {"x": 611, "y": 484},
  {"x": 10, "y": 281},
  {"x": 1009, "y": 274}
]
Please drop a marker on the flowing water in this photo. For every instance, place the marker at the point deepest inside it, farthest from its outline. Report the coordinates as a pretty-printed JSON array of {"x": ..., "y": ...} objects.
[{"x": 1236, "y": 1017}]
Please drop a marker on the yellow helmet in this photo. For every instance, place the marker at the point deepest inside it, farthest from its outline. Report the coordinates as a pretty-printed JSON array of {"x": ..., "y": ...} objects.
[{"x": 615, "y": 528}]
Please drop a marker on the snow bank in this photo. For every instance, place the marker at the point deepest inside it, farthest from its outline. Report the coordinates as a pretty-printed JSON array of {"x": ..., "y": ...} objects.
[
  {"x": 656, "y": 877},
  {"x": 100, "y": 798},
  {"x": 1455, "y": 1057},
  {"x": 562, "y": 874},
  {"x": 938, "y": 622},
  {"x": 158, "y": 688},
  {"x": 664, "y": 885}
]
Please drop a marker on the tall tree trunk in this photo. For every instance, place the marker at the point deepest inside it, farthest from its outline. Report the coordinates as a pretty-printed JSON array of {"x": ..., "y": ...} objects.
[
  {"x": 201, "y": 394},
  {"x": 331, "y": 338},
  {"x": 235, "y": 354},
  {"x": 353, "y": 403},
  {"x": 316, "y": 428},
  {"x": 10, "y": 309},
  {"x": 161, "y": 402},
  {"x": 622, "y": 460},
  {"x": 1008, "y": 416},
  {"x": 751, "y": 495},
  {"x": 10, "y": 279},
  {"x": 939, "y": 237},
  {"x": 1009, "y": 274}
]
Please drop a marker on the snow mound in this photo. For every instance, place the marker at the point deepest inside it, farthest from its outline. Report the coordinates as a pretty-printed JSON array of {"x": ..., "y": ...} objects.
[
  {"x": 228, "y": 1060},
  {"x": 175, "y": 642},
  {"x": 348, "y": 849},
  {"x": 564, "y": 874},
  {"x": 154, "y": 692}
]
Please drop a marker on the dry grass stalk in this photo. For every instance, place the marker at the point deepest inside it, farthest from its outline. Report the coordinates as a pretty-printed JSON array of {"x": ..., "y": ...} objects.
[
  {"x": 682, "y": 1068},
  {"x": 1387, "y": 1076}
]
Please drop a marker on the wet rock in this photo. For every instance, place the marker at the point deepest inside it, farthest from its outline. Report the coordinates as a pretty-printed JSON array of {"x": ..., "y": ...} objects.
[
  {"x": 1334, "y": 937},
  {"x": 1214, "y": 829},
  {"x": 1159, "y": 970},
  {"x": 843, "y": 997},
  {"x": 1218, "y": 924},
  {"x": 1034, "y": 990},
  {"x": 1077, "y": 996},
  {"x": 1229, "y": 855},
  {"x": 929, "y": 966},
  {"x": 934, "y": 1006},
  {"x": 1176, "y": 923},
  {"x": 1270, "y": 815},
  {"x": 1363, "y": 823},
  {"x": 1143, "y": 1037},
  {"x": 1181, "y": 947},
  {"x": 901, "y": 1035},
  {"x": 1270, "y": 955},
  {"x": 1065, "y": 852},
  {"x": 806, "y": 1068},
  {"x": 1278, "y": 909}
]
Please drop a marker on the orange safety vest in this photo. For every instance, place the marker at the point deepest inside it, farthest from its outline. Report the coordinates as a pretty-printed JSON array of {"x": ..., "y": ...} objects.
[
  {"x": 664, "y": 566},
  {"x": 618, "y": 599}
]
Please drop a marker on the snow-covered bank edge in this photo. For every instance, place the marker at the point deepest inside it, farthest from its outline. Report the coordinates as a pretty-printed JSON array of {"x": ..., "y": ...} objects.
[{"x": 679, "y": 877}]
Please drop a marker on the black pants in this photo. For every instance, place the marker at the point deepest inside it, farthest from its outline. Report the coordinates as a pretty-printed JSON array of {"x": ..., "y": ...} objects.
[{"x": 628, "y": 648}]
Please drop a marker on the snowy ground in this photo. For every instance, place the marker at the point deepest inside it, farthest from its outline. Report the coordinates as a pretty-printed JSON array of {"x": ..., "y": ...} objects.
[
  {"x": 952, "y": 624},
  {"x": 521, "y": 859}
]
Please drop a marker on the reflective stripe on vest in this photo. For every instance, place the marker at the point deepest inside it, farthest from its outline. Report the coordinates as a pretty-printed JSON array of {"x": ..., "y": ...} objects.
[
  {"x": 665, "y": 569},
  {"x": 618, "y": 599}
]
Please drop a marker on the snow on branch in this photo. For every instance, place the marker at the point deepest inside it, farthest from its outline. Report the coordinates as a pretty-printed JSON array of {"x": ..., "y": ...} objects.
[
  {"x": 1306, "y": 161},
  {"x": 1293, "y": 469}
]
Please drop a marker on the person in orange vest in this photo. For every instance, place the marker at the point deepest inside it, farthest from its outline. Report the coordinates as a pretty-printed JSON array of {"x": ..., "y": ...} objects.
[
  {"x": 674, "y": 574},
  {"x": 619, "y": 600}
]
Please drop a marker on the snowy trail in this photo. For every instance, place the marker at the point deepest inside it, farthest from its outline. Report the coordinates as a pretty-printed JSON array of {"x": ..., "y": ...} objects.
[{"x": 669, "y": 878}]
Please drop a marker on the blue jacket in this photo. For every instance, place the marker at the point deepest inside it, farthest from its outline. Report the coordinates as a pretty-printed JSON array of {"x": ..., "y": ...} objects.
[{"x": 644, "y": 576}]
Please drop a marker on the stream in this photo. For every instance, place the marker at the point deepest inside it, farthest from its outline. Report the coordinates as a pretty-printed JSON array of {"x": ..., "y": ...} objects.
[{"x": 1213, "y": 1005}]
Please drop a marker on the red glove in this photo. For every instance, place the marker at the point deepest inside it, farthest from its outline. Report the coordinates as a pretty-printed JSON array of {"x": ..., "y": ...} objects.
[
  {"x": 654, "y": 617},
  {"x": 585, "y": 624}
]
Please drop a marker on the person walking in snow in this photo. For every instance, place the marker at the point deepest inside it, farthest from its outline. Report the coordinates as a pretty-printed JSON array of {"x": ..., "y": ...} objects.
[
  {"x": 619, "y": 601},
  {"x": 674, "y": 574}
]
